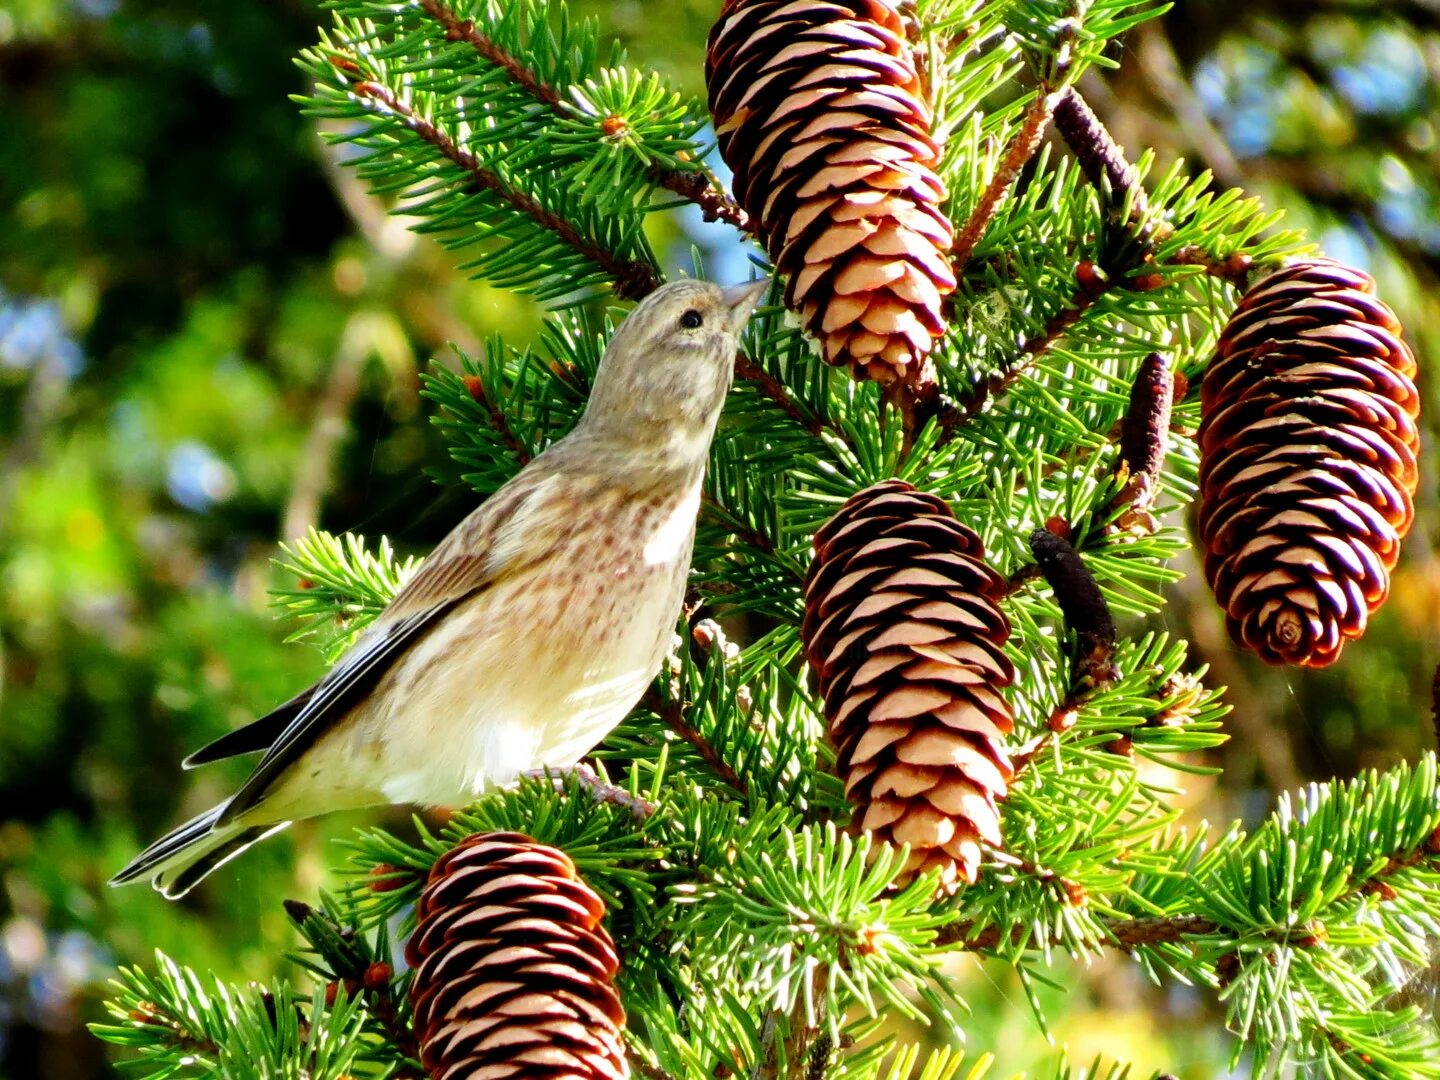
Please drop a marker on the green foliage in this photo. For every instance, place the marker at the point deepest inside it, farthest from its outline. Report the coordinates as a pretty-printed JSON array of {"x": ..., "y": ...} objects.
[
  {"x": 185, "y": 1025},
  {"x": 340, "y": 587},
  {"x": 758, "y": 936}
]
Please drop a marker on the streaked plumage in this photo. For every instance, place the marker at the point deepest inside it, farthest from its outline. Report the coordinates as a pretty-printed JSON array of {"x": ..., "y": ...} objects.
[{"x": 531, "y": 629}]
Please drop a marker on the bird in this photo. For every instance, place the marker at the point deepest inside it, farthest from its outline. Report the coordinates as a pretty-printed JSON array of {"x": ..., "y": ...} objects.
[{"x": 529, "y": 632}]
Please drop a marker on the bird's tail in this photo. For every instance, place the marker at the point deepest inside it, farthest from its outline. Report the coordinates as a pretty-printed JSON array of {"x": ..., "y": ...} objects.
[{"x": 177, "y": 861}]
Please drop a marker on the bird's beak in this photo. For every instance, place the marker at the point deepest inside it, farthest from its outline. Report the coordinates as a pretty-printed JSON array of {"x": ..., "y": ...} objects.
[{"x": 739, "y": 301}]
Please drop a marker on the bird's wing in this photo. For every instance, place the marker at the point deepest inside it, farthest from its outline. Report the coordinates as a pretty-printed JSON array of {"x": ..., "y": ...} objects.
[
  {"x": 253, "y": 737},
  {"x": 502, "y": 538}
]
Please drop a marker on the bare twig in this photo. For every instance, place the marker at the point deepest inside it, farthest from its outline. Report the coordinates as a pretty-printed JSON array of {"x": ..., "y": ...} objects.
[
  {"x": 699, "y": 187},
  {"x": 314, "y": 466},
  {"x": 1021, "y": 149},
  {"x": 596, "y": 788},
  {"x": 633, "y": 278}
]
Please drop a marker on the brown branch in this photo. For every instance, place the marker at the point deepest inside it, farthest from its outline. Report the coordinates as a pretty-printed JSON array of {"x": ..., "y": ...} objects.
[
  {"x": 1031, "y": 350},
  {"x": 1017, "y": 155},
  {"x": 703, "y": 189},
  {"x": 633, "y": 278},
  {"x": 774, "y": 389},
  {"x": 641, "y": 1067},
  {"x": 672, "y": 715},
  {"x": 699, "y": 187}
]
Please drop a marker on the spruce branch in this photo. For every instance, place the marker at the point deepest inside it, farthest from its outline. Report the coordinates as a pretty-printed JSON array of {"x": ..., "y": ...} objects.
[
  {"x": 698, "y": 186},
  {"x": 771, "y": 387},
  {"x": 1031, "y": 349},
  {"x": 632, "y": 278},
  {"x": 498, "y": 421}
]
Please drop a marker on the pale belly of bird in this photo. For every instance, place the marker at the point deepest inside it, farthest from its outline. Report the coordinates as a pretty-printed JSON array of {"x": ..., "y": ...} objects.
[{"x": 531, "y": 673}]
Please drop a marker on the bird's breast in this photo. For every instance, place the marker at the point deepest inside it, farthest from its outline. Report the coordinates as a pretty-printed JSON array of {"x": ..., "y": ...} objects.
[{"x": 537, "y": 669}]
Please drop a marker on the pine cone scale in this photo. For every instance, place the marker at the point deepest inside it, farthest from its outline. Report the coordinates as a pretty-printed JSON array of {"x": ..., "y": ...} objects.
[
  {"x": 820, "y": 114},
  {"x": 1309, "y": 445},
  {"x": 905, "y": 638},
  {"x": 513, "y": 971}
]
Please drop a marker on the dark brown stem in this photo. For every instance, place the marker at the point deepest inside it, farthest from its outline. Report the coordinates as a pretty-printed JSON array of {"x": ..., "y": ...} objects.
[
  {"x": 1124, "y": 934},
  {"x": 772, "y": 388},
  {"x": 1435, "y": 704},
  {"x": 698, "y": 187},
  {"x": 476, "y": 388},
  {"x": 633, "y": 278},
  {"x": 672, "y": 715},
  {"x": 1021, "y": 149}
]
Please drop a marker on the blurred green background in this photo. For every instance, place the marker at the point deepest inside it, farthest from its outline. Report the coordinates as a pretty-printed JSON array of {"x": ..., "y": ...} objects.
[{"x": 210, "y": 340}]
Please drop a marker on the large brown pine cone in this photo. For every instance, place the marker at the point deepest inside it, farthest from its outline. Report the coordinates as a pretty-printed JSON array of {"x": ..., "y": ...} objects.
[
  {"x": 820, "y": 114},
  {"x": 903, "y": 631},
  {"x": 1307, "y": 461},
  {"x": 513, "y": 969}
]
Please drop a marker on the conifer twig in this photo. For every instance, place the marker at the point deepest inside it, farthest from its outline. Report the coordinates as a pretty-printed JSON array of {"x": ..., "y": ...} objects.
[
  {"x": 498, "y": 422},
  {"x": 699, "y": 187},
  {"x": 1129, "y": 934},
  {"x": 641, "y": 1067},
  {"x": 672, "y": 715},
  {"x": 774, "y": 389},
  {"x": 633, "y": 278}
]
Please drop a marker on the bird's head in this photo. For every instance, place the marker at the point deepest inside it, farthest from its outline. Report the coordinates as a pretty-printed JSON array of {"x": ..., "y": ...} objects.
[{"x": 666, "y": 371}]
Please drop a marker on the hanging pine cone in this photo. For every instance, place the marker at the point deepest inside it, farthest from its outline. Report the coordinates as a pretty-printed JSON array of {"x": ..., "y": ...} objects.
[
  {"x": 1307, "y": 461},
  {"x": 512, "y": 967},
  {"x": 820, "y": 114},
  {"x": 903, "y": 631}
]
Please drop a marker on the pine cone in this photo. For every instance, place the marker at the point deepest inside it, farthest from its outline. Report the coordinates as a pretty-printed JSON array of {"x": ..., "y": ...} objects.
[
  {"x": 904, "y": 633},
  {"x": 821, "y": 115},
  {"x": 1307, "y": 461},
  {"x": 512, "y": 967}
]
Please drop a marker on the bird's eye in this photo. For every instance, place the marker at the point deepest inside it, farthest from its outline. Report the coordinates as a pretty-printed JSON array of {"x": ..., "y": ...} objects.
[{"x": 691, "y": 320}]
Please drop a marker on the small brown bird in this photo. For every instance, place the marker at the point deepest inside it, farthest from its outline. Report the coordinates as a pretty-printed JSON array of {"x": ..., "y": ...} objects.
[{"x": 532, "y": 629}]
